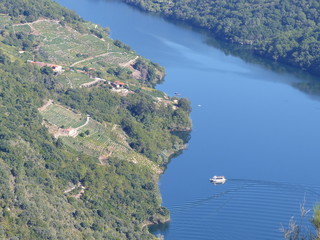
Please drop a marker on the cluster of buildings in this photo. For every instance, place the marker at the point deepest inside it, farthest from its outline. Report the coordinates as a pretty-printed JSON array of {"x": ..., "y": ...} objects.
[{"x": 58, "y": 69}]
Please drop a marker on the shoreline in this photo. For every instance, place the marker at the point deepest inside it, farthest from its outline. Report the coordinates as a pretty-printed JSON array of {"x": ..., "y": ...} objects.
[
  {"x": 130, "y": 195},
  {"x": 245, "y": 46}
]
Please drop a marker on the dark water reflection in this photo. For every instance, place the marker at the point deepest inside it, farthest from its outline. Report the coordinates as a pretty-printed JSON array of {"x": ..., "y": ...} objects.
[
  {"x": 161, "y": 228},
  {"x": 310, "y": 84}
]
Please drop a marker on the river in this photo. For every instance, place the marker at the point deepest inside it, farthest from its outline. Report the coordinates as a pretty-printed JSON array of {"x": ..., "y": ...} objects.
[{"x": 249, "y": 123}]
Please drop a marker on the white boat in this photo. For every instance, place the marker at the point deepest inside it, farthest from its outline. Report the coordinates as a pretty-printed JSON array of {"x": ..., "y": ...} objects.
[{"x": 218, "y": 179}]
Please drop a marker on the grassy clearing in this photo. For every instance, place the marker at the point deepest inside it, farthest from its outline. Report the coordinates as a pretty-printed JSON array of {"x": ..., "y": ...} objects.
[
  {"x": 10, "y": 51},
  {"x": 153, "y": 92},
  {"x": 110, "y": 59},
  {"x": 61, "y": 116},
  {"x": 22, "y": 28},
  {"x": 72, "y": 79},
  {"x": 4, "y": 20},
  {"x": 101, "y": 141}
]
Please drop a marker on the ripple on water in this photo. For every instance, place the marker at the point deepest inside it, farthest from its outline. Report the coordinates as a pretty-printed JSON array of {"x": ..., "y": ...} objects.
[{"x": 242, "y": 209}]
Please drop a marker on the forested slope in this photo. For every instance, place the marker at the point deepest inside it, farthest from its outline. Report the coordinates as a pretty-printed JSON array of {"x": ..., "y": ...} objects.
[
  {"x": 101, "y": 181},
  {"x": 284, "y": 30}
]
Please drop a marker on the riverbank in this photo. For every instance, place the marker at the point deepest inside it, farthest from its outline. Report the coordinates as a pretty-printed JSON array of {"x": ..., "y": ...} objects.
[
  {"x": 260, "y": 29},
  {"x": 252, "y": 126},
  {"x": 79, "y": 162}
]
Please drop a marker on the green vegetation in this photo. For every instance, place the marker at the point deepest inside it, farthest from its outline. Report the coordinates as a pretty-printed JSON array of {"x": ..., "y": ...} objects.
[
  {"x": 29, "y": 11},
  {"x": 316, "y": 219},
  {"x": 72, "y": 79},
  {"x": 300, "y": 231},
  {"x": 79, "y": 160},
  {"x": 63, "y": 117},
  {"x": 61, "y": 44},
  {"x": 286, "y": 31},
  {"x": 148, "y": 123}
]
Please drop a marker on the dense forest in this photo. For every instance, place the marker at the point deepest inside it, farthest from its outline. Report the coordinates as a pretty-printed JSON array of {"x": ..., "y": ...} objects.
[
  {"x": 30, "y": 11},
  {"x": 49, "y": 188},
  {"x": 286, "y": 31}
]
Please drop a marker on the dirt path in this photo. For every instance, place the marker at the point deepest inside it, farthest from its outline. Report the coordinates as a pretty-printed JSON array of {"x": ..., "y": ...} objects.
[
  {"x": 44, "y": 107},
  {"x": 74, "y": 131},
  {"x": 69, "y": 132},
  {"x": 135, "y": 73},
  {"x": 89, "y": 84},
  {"x": 69, "y": 189},
  {"x": 129, "y": 63},
  {"x": 79, "y": 185},
  {"x": 103, "y": 158},
  {"x": 85, "y": 124},
  {"x": 69, "y": 82},
  {"x": 90, "y": 58},
  {"x": 33, "y": 30},
  {"x": 39, "y": 20}
]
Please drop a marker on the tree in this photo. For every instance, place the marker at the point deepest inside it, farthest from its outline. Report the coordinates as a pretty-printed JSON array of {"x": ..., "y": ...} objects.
[
  {"x": 107, "y": 30},
  {"x": 184, "y": 104},
  {"x": 298, "y": 231},
  {"x": 316, "y": 219},
  {"x": 47, "y": 70},
  {"x": 4, "y": 59}
]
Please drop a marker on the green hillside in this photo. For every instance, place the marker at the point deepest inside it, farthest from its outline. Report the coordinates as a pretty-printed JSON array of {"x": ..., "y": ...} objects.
[
  {"x": 84, "y": 135},
  {"x": 286, "y": 31}
]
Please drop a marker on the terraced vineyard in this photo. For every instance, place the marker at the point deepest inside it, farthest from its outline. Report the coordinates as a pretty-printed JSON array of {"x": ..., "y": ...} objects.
[
  {"x": 65, "y": 46},
  {"x": 72, "y": 79},
  {"x": 94, "y": 139},
  {"x": 84, "y": 52},
  {"x": 4, "y": 19},
  {"x": 70, "y": 48},
  {"x": 62, "y": 117},
  {"x": 101, "y": 140},
  {"x": 22, "y": 28}
]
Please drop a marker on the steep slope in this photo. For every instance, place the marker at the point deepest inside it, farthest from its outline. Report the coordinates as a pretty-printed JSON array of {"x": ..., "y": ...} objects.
[{"x": 79, "y": 161}]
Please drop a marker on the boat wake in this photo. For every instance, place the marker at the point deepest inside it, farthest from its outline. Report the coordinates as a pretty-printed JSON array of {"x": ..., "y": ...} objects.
[{"x": 249, "y": 206}]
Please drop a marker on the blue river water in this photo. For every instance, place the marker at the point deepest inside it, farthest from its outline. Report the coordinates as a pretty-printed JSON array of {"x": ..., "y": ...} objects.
[{"x": 250, "y": 123}]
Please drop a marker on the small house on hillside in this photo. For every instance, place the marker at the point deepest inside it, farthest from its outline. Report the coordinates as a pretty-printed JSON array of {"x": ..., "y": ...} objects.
[
  {"x": 118, "y": 84},
  {"x": 71, "y": 132},
  {"x": 55, "y": 68}
]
